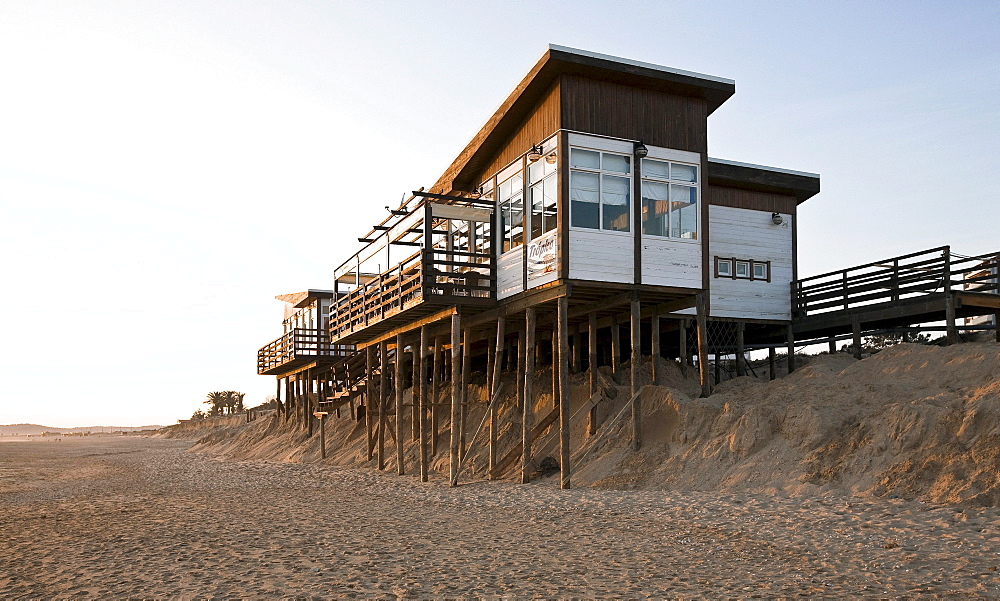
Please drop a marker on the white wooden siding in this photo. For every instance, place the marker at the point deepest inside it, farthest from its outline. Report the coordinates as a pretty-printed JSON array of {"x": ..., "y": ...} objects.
[
  {"x": 600, "y": 256},
  {"x": 667, "y": 262},
  {"x": 510, "y": 273},
  {"x": 747, "y": 234}
]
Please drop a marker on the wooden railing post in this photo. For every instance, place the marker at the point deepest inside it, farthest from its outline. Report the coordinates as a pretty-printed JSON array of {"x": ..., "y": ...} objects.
[{"x": 949, "y": 300}]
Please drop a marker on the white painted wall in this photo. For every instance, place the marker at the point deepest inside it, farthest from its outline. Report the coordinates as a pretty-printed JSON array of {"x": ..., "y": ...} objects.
[
  {"x": 600, "y": 256},
  {"x": 510, "y": 273},
  {"x": 747, "y": 234},
  {"x": 671, "y": 262}
]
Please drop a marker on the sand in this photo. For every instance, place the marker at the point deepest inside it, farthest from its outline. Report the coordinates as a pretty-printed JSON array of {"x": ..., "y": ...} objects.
[{"x": 140, "y": 517}]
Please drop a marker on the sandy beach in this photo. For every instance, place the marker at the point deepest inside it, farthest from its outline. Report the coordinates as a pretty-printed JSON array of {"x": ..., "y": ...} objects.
[{"x": 138, "y": 517}]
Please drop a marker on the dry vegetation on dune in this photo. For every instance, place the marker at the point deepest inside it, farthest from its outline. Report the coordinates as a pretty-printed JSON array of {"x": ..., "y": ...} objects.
[{"x": 916, "y": 422}]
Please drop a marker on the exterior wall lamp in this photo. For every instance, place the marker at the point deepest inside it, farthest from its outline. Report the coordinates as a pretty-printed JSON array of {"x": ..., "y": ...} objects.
[
  {"x": 535, "y": 153},
  {"x": 640, "y": 150},
  {"x": 776, "y": 218}
]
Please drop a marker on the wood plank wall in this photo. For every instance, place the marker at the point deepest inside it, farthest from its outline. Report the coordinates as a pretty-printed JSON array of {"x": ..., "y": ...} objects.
[
  {"x": 655, "y": 117},
  {"x": 749, "y": 199}
]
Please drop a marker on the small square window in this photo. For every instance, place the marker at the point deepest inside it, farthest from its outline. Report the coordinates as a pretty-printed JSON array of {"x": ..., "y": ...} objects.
[
  {"x": 743, "y": 269},
  {"x": 723, "y": 268},
  {"x": 760, "y": 271}
]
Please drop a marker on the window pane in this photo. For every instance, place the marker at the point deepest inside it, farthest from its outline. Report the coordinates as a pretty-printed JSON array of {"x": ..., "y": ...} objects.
[
  {"x": 536, "y": 171},
  {"x": 616, "y": 162},
  {"x": 655, "y": 208},
  {"x": 725, "y": 268},
  {"x": 760, "y": 271},
  {"x": 516, "y": 221},
  {"x": 549, "y": 191},
  {"x": 657, "y": 169},
  {"x": 504, "y": 191},
  {"x": 683, "y": 173},
  {"x": 615, "y": 203},
  {"x": 587, "y": 159},
  {"x": 683, "y": 212},
  {"x": 584, "y": 194},
  {"x": 742, "y": 269},
  {"x": 537, "y": 209}
]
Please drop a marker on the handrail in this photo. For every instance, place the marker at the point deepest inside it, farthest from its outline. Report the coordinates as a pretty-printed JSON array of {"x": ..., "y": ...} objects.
[{"x": 298, "y": 343}]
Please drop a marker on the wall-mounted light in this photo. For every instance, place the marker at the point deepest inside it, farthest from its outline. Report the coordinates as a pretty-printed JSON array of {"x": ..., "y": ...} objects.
[
  {"x": 551, "y": 158},
  {"x": 640, "y": 150},
  {"x": 776, "y": 219},
  {"x": 535, "y": 153}
]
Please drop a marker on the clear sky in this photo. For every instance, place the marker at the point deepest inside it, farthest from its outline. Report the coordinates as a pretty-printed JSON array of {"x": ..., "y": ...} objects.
[{"x": 167, "y": 167}]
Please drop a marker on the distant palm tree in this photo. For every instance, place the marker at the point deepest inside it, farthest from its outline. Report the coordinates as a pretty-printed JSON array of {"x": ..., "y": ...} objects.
[{"x": 218, "y": 402}]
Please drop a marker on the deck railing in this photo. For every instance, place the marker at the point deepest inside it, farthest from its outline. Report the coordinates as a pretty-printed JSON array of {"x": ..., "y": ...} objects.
[
  {"x": 300, "y": 343},
  {"x": 910, "y": 276},
  {"x": 428, "y": 275}
]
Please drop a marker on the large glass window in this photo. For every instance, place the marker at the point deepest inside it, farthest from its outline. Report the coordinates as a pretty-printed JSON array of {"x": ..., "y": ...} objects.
[
  {"x": 510, "y": 195},
  {"x": 542, "y": 196},
  {"x": 600, "y": 190},
  {"x": 669, "y": 199}
]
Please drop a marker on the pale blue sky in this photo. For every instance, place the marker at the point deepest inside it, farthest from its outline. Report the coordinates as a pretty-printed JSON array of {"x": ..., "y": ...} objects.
[{"x": 167, "y": 167}]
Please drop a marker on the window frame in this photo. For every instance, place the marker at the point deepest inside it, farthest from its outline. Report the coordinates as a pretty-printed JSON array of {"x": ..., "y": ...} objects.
[
  {"x": 733, "y": 264},
  {"x": 600, "y": 172},
  {"x": 670, "y": 181}
]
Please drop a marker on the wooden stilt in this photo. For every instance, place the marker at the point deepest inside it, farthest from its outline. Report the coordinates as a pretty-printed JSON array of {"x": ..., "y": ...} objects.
[
  {"x": 322, "y": 436},
  {"x": 575, "y": 351},
  {"x": 383, "y": 367},
  {"x": 277, "y": 396},
  {"x": 456, "y": 396},
  {"x": 564, "y": 411},
  {"x": 616, "y": 345},
  {"x": 555, "y": 365},
  {"x": 494, "y": 409},
  {"x": 466, "y": 368},
  {"x": 528, "y": 415},
  {"x": 369, "y": 389},
  {"x": 491, "y": 355},
  {"x": 856, "y": 335},
  {"x": 435, "y": 394},
  {"x": 951, "y": 330},
  {"x": 740, "y": 369},
  {"x": 655, "y": 348},
  {"x": 592, "y": 360},
  {"x": 685, "y": 357},
  {"x": 636, "y": 343},
  {"x": 520, "y": 370},
  {"x": 702, "y": 318},
  {"x": 790, "y": 336},
  {"x": 772, "y": 368},
  {"x": 400, "y": 466},
  {"x": 422, "y": 412},
  {"x": 833, "y": 346},
  {"x": 416, "y": 386}
]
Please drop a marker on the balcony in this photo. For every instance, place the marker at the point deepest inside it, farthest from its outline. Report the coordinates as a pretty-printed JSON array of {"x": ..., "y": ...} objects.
[
  {"x": 423, "y": 283},
  {"x": 297, "y": 348}
]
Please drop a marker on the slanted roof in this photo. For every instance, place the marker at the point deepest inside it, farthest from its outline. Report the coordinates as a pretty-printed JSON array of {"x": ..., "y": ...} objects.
[
  {"x": 303, "y": 299},
  {"x": 560, "y": 60},
  {"x": 747, "y": 176}
]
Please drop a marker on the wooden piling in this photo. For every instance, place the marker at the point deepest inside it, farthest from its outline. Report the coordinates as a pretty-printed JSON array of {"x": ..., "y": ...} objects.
[
  {"x": 422, "y": 409},
  {"x": 400, "y": 467},
  {"x": 456, "y": 396},
  {"x": 592, "y": 358},
  {"x": 520, "y": 370},
  {"x": 790, "y": 336},
  {"x": 528, "y": 415},
  {"x": 322, "y": 436},
  {"x": 383, "y": 362},
  {"x": 466, "y": 368},
  {"x": 655, "y": 348},
  {"x": 494, "y": 408},
  {"x": 369, "y": 387},
  {"x": 415, "y": 386},
  {"x": 636, "y": 342},
  {"x": 616, "y": 345},
  {"x": 683, "y": 342},
  {"x": 856, "y": 335},
  {"x": 740, "y": 368},
  {"x": 564, "y": 392},
  {"x": 772, "y": 368},
  {"x": 435, "y": 394},
  {"x": 702, "y": 319}
]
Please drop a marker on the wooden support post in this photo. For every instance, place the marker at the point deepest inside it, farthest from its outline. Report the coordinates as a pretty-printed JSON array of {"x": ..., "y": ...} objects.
[
  {"x": 951, "y": 331},
  {"x": 592, "y": 358},
  {"x": 491, "y": 355},
  {"x": 494, "y": 409},
  {"x": 718, "y": 369},
  {"x": 654, "y": 348},
  {"x": 575, "y": 366},
  {"x": 400, "y": 467},
  {"x": 555, "y": 365},
  {"x": 422, "y": 412},
  {"x": 528, "y": 415},
  {"x": 564, "y": 413},
  {"x": 416, "y": 386},
  {"x": 702, "y": 318},
  {"x": 683, "y": 343},
  {"x": 636, "y": 342},
  {"x": 456, "y": 396},
  {"x": 277, "y": 396},
  {"x": 790, "y": 348},
  {"x": 322, "y": 436},
  {"x": 435, "y": 394},
  {"x": 466, "y": 368},
  {"x": 383, "y": 363},
  {"x": 369, "y": 388},
  {"x": 833, "y": 346},
  {"x": 740, "y": 369},
  {"x": 616, "y": 345},
  {"x": 772, "y": 368},
  {"x": 856, "y": 334},
  {"x": 520, "y": 370}
]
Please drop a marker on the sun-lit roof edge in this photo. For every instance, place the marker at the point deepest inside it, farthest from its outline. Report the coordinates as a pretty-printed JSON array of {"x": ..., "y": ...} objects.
[
  {"x": 635, "y": 63},
  {"x": 765, "y": 167}
]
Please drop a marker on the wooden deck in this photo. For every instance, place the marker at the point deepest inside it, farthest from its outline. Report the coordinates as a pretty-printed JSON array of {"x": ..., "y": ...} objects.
[{"x": 298, "y": 349}]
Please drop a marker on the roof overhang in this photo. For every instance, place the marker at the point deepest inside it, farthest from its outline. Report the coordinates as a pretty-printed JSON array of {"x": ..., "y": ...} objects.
[
  {"x": 557, "y": 61},
  {"x": 304, "y": 299},
  {"x": 747, "y": 176}
]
